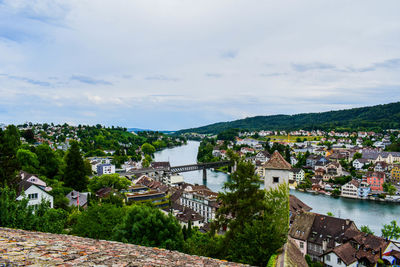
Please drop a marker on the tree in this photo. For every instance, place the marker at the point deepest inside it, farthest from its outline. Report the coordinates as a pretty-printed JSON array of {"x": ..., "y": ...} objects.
[
  {"x": 108, "y": 180},
  {"x": 98, "y": 221},
  {"x": 28, "y": 135},
  {"x": 9, "y": 165},
  {"x": 75, "y": 172},
  {"x": 257, "y": 221},
  {"x": 148, "y": 149},
  {"x": 329, "y": 213},
  {"x": 148, "y": 226},
  {"x": 27, "y": 160},
  {"x": 49, "y": 162},
  {"x": 391, "y": 231},
  {"x": 366, "y": 229},
  {"x": 242, "y": 198}
]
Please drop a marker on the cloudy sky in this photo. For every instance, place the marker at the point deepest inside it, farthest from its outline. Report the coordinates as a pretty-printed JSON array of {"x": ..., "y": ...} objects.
[{"x": 173, "y": 64}]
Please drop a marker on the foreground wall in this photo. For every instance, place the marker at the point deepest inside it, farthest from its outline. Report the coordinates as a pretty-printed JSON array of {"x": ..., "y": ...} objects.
[{"x": 18, "y": 247}]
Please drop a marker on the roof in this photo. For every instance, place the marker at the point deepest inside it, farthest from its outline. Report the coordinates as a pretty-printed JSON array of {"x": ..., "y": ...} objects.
[
  {"x": 346, "y": 253},
  {"x": 73, "y": 198},
  {"x": 103, "y": 192},
  {"x": 296, "y": 205},
  {"x": 186, "y": 214},
  {"x": 301, "y": 226},
  {"x": 293, "y": 256},
  {"x": 161, "y": 164},
  {"x": 329, "y": 228},
  {"x": 277, "y": 162}
]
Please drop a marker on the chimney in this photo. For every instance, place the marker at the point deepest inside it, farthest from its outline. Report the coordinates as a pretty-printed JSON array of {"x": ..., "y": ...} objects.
[{"x": 347, "y": 221}]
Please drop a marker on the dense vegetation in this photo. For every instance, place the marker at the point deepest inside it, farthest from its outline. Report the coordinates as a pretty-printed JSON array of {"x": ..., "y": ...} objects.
[{"x": 375, "y": 118}]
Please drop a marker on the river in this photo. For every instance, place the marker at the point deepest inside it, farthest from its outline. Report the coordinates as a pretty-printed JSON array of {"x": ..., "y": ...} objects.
[{"x": 362, "y": 212}]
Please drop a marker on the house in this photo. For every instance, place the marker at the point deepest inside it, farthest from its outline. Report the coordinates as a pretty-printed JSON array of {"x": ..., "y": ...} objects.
[
  {"x": 297, "y": 174},
  {"x": 395, "y": 173},
  {"x": 263, "y": 156},
  {"x": 105, "y": 169},
  {"x": 200, "y": 199},
  {"x": 186, "y": 215},
  {"x": 363, "y": 190},
  {"x": 360, "y": 249},
  {"x": 277, "y": 171},
  {"x": 334, "y": 169},
  {"x": 300, "y": 230},
  {"x": 34, "y": 193},
  {"x": 375, "y": 180},
  {"x": 77, "y": 198},
  {"x": 358, "y": 164},
  {"x": 25, "y": 176},
  {"x": 380, "y": 166},
  {"x": 350, "y": 189},
  {"x": 296, "y": 206},
  {"x": 293, "y": 160},
  {"x": 156, "y": 197},
  {"x": 326, "y": 232},
  {"x": 312, "y": 160},
  {"x": 246, "y": 150}
]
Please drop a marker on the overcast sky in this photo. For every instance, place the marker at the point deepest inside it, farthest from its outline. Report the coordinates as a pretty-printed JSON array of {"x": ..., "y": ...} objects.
[{"x": 173, "y": 64}]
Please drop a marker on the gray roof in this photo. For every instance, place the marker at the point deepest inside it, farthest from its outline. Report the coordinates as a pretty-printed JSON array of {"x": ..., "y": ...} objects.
[{"x": 73, "y": 198}]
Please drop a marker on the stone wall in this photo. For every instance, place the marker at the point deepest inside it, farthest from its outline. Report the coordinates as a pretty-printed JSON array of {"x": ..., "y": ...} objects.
[{"x": 18, "y": 247}]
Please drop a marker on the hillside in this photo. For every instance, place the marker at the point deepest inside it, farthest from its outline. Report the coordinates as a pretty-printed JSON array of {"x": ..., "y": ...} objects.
[{"x": 385, "y": 116}]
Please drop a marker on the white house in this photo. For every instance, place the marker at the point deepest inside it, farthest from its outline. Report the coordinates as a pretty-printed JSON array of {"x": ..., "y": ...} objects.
[
  {"x": 358, "y": 164},
  {"x": 297, "y": 174},
  {"x": 350, "y": 189},
  {"x": 277, "y": 171},
  {"x": 263, "y": 156},
  {"x": 34, "y": 193}
]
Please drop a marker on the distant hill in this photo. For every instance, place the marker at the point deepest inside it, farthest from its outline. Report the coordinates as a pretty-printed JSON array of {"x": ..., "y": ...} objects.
[{"x": 366, "y": 118}]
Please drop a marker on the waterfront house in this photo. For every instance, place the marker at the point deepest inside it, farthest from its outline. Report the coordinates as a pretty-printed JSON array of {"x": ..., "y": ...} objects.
[
  {"x": 350, "y": 189},
  {"x": 297, "y": 174},
  {"x": 364, "y": 190},
  {"x": 296, "y": 206},
  {"x": 375, "y": 180},
  {"x": 334, "y": 169},
  {"x": 277, "y": 171},
  {"x": 395, "y": 173}
]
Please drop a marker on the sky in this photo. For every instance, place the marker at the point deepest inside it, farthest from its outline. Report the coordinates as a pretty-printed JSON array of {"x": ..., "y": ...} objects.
[{"x": 175, "y": 64}]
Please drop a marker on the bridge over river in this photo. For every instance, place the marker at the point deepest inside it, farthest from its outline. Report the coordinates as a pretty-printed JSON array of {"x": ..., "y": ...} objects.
[{"x": 182, "y": 168}]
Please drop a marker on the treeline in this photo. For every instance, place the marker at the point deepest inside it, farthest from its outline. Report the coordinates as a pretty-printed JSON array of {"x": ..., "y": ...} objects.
[{"x": 376, "y": 118}]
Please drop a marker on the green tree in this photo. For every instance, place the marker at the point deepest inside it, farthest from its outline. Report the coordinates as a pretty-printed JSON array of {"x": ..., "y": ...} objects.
[
  {"x": 49, "y": 162},
  {"x": 9, "y": 165},
  {"x": 98, "y": 221},
  {"x": 148, "y": 226},
  {"x": 27, "y": 160},
  {"x": 366, "y": 229},
  {"x": 391, "y": 231},
  {"x": 148, "y": 149},
  {"x": 28, "y": 135},
  {"x": 75, "y": 172},
  {"x": 329, "y": 213}
]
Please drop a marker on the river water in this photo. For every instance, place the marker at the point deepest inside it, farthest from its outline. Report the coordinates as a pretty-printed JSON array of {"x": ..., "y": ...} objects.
[{"x": 362, "y": 212}]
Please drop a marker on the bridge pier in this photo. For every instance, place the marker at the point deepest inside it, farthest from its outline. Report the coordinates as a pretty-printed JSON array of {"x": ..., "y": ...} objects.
[{"x": 204, "y": 174}]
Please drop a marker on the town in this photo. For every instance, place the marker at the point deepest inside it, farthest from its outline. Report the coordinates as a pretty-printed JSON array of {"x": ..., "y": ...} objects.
[{"x": 354, "y": 165}]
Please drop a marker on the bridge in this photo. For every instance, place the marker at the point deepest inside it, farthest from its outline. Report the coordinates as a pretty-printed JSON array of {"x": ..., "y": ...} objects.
[
  {"x": 200, "y": 166},
  {"x": 183, "y": 168}
]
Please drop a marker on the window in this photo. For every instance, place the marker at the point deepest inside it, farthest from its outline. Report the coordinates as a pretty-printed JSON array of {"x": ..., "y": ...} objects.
[
  {"x": 301, "y": 245},
  {"x": 276, "y": 180},
  {"x": 33, "y": 196},
  {"x": 328, "y": 257},
  {"x": 339, "y": 261}
]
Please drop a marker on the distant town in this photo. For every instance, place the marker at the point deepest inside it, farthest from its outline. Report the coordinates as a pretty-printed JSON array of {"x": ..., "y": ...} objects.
[{"x": 120, "y": 170}]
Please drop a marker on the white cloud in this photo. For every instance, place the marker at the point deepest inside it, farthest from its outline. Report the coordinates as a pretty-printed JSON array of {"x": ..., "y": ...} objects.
[{"x": 184, "y": 63}]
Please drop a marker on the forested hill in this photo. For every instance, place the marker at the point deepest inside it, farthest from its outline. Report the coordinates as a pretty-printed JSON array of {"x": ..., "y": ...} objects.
[{"x": 366, "y": 118}]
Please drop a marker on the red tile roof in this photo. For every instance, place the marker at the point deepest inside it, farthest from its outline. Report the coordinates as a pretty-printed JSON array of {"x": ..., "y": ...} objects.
[{"x": 277, "y": 162}]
